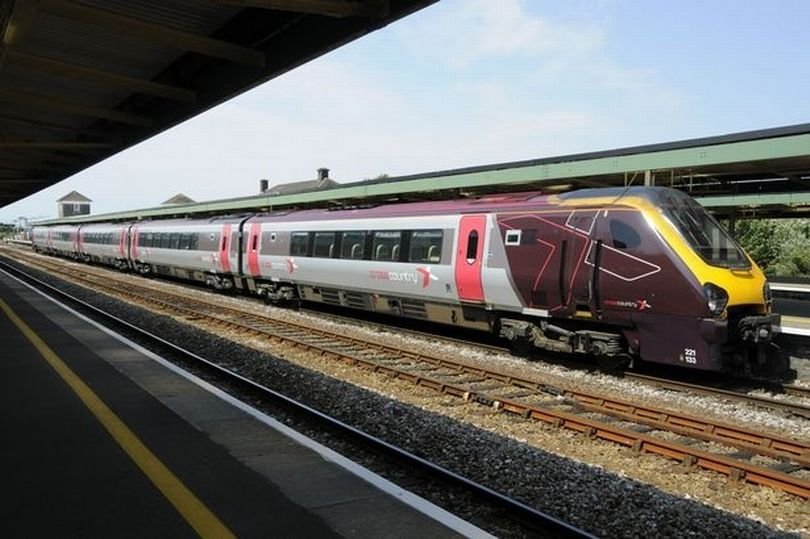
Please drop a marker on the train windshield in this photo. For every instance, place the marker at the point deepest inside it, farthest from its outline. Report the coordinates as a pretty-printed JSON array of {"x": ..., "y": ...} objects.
[{"x": 705, "y": 235}]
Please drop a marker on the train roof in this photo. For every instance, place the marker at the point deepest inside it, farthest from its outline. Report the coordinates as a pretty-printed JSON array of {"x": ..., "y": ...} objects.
[
  {"x": 522, "y": 201},
  {"x": 499, "y": 202}
]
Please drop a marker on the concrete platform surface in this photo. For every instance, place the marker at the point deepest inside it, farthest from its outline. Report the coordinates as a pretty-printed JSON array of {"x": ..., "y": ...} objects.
[{"x": 103, "y": 438}]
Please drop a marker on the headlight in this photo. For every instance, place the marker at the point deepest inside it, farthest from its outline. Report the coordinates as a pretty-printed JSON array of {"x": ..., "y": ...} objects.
[
  {"x": 766, "y": 293},
  {"x": 716, "y": 298}
]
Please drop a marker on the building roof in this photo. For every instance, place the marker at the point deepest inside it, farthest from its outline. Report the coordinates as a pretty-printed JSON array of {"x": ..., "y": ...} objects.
[
  {"x": 179, "y": 198},
  {"x": 74, "y": 196},
  {"x": 302, "y": 187}
]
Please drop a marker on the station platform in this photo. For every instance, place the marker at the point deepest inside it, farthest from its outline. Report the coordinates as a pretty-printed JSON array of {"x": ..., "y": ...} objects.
[
  {"x": 799, "y": 288},
  {"x": 795, "y": 325},
  {"x": 103, "y": 438}
]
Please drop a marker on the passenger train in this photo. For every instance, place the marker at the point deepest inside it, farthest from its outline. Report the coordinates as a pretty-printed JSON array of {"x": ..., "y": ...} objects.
[{"x": 624, "y": 274}]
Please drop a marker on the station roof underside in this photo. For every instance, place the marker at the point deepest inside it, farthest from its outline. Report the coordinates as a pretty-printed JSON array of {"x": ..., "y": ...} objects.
[
  {"x": 752, "y": 174},
  {"x": 81, "y": 80}
]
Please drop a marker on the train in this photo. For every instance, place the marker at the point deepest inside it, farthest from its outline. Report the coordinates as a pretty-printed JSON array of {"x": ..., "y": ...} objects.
[{"x": 627, "y": 275}]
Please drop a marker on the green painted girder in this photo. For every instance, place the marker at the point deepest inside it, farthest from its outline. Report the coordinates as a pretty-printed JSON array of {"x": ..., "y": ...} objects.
[{"x": 755, "y": 200}]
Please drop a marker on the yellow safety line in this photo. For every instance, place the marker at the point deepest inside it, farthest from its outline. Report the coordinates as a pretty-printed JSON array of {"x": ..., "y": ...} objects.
[{"x": 194, "y": 511}]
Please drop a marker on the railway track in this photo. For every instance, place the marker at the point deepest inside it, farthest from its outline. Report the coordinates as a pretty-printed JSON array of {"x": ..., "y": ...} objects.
[
  {"x": 788, "y": 407},
  {"x": 740, "y": 453},
  {"x": 793, "y": 408}
]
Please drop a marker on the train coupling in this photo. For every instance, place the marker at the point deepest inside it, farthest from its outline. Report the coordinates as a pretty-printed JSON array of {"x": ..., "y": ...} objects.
[{"x": 759, "y": 329}]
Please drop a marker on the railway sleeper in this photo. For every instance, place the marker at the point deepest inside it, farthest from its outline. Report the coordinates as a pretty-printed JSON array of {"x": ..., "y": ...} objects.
[{"x": 786, "y": 467}]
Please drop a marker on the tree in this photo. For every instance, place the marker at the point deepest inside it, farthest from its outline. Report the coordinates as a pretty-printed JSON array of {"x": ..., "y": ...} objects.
[{"x": 779, "y": 247}]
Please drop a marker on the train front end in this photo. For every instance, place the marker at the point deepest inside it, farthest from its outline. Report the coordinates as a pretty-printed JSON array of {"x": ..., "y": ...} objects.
[{"x": 737, "y": 326}]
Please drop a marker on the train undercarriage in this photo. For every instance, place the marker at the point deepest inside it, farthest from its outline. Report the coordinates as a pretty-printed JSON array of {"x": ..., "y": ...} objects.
[{"x": 750, "y": 353}]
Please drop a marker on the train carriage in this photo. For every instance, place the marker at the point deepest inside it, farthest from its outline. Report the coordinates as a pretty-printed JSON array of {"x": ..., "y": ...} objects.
[
  {"x": 196, "y": 250},
  {"x": 41, "y": 239},
  {"x": 105, "y": 243},
  {"x": 61, "y": 240}
]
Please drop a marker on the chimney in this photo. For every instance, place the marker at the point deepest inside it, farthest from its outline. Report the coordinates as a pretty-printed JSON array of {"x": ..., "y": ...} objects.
[
  {"x": 263, "y": 184},
  {"x": 323, "y": 174}
]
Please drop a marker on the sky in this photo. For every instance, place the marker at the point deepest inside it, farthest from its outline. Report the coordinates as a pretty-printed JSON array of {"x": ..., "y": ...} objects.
[{"x": 476, "y": 82}]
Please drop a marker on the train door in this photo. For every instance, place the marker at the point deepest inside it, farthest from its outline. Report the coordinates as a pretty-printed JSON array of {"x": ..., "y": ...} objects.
[
  {"x": 133, "y": 244},
  {"x": 77, "y": 241},
  {"x": 122, "y": 243},
  {"x": 469, "y": 258},
  {"x": 224, "y": 249},
  {"x": 253, "y": 249}
]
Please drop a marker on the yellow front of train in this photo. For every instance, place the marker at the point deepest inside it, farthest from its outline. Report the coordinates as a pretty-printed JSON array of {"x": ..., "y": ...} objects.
[{"x": 736, "y": 290}]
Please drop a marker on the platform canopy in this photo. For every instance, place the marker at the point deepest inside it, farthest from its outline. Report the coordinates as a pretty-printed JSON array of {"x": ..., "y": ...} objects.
[
  {"x": 764, "y": 173},
  {"x": 82, "y": 80}
]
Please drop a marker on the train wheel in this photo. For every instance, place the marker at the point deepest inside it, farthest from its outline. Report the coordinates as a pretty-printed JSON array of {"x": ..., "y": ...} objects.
[{"x": 521, "y": 346}]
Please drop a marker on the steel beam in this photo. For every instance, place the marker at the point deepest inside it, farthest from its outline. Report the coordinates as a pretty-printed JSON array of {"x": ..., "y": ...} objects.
[
  {"x": 153, "y": 32},
  {"x": 40, "y": 64},
  {"x": 47, "y": 125},
  {"x": 61, "y": 146},
  {"x": 11, "y": 171},
  {"x": 17, "y": 19},
  {"x": 46, "y": 102},
  {"x": 328, "y": 8},
  {"x": 32, "y": 162},
  {"x": 21, "y": 180}
]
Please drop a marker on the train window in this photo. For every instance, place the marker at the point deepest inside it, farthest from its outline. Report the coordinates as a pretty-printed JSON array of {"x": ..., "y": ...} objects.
[
  {"x": 513, "y": 237},
  {"x": 583, "y": 223},
  {"x": 472, "y": 246},
  {"x": 386, "y": 245},
  {"x": 324, "y": 246},
  {"x": 353, "y": 245},
  {"x": 703, "y": 234},
  {"x": 195, "y": 242},
  {"x": 298, "y": 243},
  {"x": 185, "y": 241},
  {"x": 624, "y": 236},
  {"x": 175, "y": 241},
  {"x": 426, "y": 246},
  {"x": 165, "y": 240}
]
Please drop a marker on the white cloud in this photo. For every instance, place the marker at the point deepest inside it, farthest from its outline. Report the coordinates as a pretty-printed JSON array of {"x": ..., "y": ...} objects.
[{"x": 480, "y": 30}]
